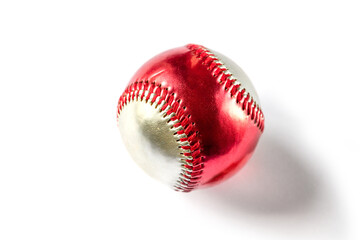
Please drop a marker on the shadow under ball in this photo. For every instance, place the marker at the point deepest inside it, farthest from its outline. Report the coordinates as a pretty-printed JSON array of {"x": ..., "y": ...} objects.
[{"x": 190, "y": 117}]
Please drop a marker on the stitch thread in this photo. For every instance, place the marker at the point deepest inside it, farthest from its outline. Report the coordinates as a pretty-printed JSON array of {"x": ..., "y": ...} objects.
[
  {"x": 233, "y": 85},
  {"x": 186, "y": 133}
]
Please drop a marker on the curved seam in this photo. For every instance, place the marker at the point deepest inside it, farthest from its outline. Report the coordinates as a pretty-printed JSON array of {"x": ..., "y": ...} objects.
[
  {"x": 224, "y": 77},
  {"x": 186, "y": 134}
]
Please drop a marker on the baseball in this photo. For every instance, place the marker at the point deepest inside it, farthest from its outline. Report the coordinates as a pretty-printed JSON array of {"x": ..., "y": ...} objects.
[{"x": 190, "y": 117}]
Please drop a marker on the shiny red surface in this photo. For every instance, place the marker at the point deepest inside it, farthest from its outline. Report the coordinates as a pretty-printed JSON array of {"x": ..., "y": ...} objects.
[{"x": 227, "y": 135}]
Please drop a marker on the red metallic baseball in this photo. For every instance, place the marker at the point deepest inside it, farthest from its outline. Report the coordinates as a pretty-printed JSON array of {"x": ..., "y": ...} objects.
[{"x": 190, "y": 117}]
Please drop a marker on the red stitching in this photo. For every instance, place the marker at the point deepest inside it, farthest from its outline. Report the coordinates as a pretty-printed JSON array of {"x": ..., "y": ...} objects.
[
  {"x": 243, "y": 98},
  {"x": 189, "y": 142}
]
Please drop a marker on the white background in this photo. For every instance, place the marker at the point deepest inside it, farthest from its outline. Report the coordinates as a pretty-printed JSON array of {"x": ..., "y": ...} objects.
[{"x": 64, "y": 172}]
